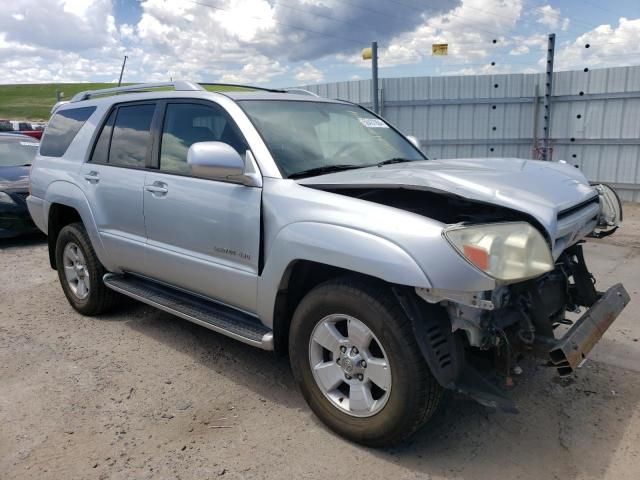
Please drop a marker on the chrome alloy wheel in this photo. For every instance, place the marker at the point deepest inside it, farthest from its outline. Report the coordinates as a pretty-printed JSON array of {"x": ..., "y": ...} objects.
[
  {"x": 75, "y": 270},
  {"x": 349, "y": 365}
]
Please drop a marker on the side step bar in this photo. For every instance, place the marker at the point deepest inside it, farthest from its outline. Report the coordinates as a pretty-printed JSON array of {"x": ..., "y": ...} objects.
[
  {"x": 571, "y": 350},
  {"x": 214, "y": 316}
]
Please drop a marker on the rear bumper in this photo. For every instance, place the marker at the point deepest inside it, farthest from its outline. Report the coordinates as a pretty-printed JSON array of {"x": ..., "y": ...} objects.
[{"x": 571, "y": 350}]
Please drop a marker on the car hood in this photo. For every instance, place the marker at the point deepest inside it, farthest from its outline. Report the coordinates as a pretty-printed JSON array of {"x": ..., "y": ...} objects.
[
  {"x": 540, "y": 189},
  {"x": 14, "y": 178}
]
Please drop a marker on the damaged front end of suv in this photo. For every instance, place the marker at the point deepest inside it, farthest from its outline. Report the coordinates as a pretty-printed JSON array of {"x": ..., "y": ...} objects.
[
  {"x": 491, "y": 331},
  {"x": 473, "y": 340}
]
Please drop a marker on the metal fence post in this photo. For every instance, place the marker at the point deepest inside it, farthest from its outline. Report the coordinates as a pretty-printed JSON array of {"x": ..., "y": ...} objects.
[{"x": 546, "y": 148}]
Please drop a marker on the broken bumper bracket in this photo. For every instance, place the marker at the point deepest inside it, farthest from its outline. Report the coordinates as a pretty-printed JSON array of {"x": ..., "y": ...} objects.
[{"x": 570, "y": 351}]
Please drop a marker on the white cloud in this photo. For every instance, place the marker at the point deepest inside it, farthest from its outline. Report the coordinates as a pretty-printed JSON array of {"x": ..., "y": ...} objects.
[
  {"x": 519, "y": 50},
  {"x": 607, "y": 46},
  {"x": 552, "y": 18},
  {"x": 469, "y": 29},
  {"x": 308, "y": 73}
]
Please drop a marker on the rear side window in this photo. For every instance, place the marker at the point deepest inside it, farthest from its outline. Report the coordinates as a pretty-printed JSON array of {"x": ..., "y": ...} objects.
[
  {"x": 62, "y": 129},
  {"x": 101, "y": 150},
  {"x": 131, "y": 136}
]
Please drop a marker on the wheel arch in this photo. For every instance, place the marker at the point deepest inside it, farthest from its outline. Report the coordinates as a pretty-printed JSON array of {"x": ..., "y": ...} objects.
[
  {"x": 66, "y": 203},
  {"x": 305, "y": 254}
]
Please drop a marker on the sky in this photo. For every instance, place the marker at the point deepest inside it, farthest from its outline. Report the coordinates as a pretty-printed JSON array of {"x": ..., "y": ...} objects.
[{"x": 298, "y": 42}]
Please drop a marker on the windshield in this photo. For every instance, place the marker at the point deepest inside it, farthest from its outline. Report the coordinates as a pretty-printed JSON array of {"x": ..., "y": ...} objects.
[
  {"x": 17, "y": 151},
  {"x": 303, "y": 135}
]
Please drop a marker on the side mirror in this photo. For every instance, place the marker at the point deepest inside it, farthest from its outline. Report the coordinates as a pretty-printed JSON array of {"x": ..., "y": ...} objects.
[
  {"x": 413, "y": 140},
  {"x": 215, "y": 160}
]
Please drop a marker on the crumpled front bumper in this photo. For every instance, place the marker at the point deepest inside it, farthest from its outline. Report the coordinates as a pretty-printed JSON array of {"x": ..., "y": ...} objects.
[{"x": 571, "y": 350}]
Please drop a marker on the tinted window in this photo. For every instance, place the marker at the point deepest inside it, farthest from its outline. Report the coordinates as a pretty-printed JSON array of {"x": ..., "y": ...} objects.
[
  {"x": 101, "y": 150},
  {"x": 186, "y": 124},
  {"x": 131, "y": 138},
  {"x": 62, "y": 129}
]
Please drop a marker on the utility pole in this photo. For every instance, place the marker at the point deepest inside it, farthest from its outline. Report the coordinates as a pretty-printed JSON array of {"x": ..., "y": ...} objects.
[
  {"x": 124, "y": 62},
  {"x": 371, "y": 53},
  {"x": 548, "y": 90},
  {"x": 374, "y": 76}
]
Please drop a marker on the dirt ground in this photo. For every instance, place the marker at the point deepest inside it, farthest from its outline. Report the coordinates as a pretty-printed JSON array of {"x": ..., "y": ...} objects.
[{"x": 141, "y": 394}]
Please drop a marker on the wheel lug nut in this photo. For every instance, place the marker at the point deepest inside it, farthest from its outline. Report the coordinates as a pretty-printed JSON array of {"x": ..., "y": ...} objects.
[
  {"x": 360, "y": 376},
  {"x": 343, "y": 349},
  {"x": 338, "y": 361},
  {"x": 363, "y": 364},
  {"x": 354, "y": 351},
  {"x": 347, "y": 376}
]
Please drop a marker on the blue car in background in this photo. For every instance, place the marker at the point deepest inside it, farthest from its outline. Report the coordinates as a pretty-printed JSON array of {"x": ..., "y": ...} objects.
[{"x": 16, "y": 155}]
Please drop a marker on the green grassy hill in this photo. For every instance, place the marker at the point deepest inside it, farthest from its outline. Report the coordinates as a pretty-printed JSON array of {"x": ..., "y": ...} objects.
[{"x": 34, "y": 101}]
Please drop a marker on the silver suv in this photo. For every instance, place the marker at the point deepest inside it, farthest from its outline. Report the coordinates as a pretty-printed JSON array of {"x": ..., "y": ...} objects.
[{"x": 313, "y": 227}]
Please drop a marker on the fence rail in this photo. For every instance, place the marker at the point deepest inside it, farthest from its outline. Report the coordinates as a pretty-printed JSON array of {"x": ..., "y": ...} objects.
[{"x": 595, "y": 117}]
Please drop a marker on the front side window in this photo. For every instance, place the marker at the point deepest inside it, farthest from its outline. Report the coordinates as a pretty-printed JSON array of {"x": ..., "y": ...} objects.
[
  {"x": 131, "y": 137},
  {"x": 62, "y": 129},
  {"x": 189, "y": 123},
  {"x": 306, "y": 135}
]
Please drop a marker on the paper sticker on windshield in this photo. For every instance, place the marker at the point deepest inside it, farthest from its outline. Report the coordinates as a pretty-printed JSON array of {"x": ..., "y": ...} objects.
[{"x": 373, "y": 123}]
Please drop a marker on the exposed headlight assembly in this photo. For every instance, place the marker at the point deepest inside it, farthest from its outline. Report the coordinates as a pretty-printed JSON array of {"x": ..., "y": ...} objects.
[
  {"x": 6, "y": 199},
  {"x": 505, "y": 251}
]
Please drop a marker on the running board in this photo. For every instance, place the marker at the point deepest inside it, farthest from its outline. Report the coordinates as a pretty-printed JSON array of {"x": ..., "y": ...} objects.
[{"x": 214, "y": 316}]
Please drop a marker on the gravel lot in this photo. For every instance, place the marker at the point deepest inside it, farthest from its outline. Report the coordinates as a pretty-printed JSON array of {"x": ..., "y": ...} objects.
[{"x": 141, "y": 394}]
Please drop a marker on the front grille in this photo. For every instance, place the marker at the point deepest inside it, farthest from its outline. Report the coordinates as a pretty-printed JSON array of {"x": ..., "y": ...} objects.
[
  {"x": 575, "y": 222},
  {"x": 571, "y": 210}
]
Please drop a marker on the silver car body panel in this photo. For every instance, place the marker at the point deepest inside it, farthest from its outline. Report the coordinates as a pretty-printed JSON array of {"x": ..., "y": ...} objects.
[
  {"x": 208, "y": 236},
  {"x": 539, "y": 189}
]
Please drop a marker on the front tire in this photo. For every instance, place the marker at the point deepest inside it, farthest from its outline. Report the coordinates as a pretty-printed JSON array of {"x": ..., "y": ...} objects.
[
  {"x": 355, "y": 358},
  {"x": 80, "y": 272}
]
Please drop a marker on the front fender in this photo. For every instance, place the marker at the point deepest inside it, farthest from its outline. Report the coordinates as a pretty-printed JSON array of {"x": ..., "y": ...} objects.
[
  {"x": 70, "y": 195},
  {"x": 337, "y": 246}
]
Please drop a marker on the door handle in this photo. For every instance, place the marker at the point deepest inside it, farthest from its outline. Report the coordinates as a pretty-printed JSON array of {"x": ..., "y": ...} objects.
[
  {"x": 92, "y": 177},
  {"x": 157, "y": 188}
]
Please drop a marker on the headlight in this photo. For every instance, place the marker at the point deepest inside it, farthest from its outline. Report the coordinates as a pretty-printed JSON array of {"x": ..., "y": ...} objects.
[
  {"x": 5, "y": 199},
  {"x": 505, "y": 251}
]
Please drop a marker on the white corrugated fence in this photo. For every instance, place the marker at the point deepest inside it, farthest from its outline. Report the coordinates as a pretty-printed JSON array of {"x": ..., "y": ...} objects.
[{"x": 595, "y": 121}]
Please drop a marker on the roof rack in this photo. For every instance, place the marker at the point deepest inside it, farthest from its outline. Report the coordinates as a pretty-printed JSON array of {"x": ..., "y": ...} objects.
[
  {"x": 180, "y": 85},
  {"x": 301, "y": 91},
  {"x": 249, "y": 87}
]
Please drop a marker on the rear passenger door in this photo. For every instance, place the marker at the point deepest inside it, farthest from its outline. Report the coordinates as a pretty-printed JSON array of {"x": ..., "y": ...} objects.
[
  {"x": 114, "y": 181},
  {"x": 203, "y": 235}
]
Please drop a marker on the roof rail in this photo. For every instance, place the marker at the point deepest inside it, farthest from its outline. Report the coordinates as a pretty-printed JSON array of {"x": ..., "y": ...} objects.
[
  {"x": 181, "y": 85},
  {"x": 250, "y": 87},
  {"x": 301, "y": 91}
]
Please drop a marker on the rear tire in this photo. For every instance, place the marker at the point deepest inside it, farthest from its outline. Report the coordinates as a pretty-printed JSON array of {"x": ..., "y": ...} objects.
[
  {"x": 80, "y": 272},
  {"x": 412, "y": 394}
]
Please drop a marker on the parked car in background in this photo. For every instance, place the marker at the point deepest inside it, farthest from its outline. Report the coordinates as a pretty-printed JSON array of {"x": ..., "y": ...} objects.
[
  {"x": 313, "y": 227},
  {"x": 22, "y": 127},
  {"x": 16, "y": 156}
]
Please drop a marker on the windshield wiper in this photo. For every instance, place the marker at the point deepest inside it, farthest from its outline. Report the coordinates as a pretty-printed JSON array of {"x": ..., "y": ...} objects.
[
  {"x": 322, "y": 170},
  {"x": 394, "y": 160}
]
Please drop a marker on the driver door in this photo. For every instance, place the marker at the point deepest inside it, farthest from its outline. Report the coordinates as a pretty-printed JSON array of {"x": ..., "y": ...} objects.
[{"x": 202, "y": 235}]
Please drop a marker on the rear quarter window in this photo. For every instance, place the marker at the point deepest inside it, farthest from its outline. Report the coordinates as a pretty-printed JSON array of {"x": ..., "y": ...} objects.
[{"x": 62, "y": 129}]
